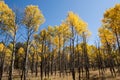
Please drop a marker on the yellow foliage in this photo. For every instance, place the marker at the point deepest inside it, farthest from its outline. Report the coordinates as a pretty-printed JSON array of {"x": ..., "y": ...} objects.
[
  {"x": 78, "y": 48},
  {"x": 10, "y": 46},
  {"x": 7, "y": 18},
  {"x": 8, "y": 52},
  {"x": 92, "y": 50},
  {"x": 39, "y": 59},
  {"x": 64, "y": 30},
  {"x": 21, "y": 51},
  {"x": 79, "y": 25},
  {"x": 111, "y": 19},
  {"x": 43, "y": 33},
  {"x": 39, "y": 48},
  {"x": 50, "y": 29},
  {"x": 1, "y": 47},
  {"x": 58, "y": 41},
  {"x": 33, "y": 17},
  {"x": 8, "y": 56},
  {"x": 106, "y": 36}
]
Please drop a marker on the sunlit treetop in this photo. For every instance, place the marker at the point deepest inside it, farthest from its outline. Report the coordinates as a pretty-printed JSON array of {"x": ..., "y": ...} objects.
[
  {"x": 106, "y": 36},
  {"x": 72, "y": 19},
  {"x": 79, "y": 25},
  {"x": 41, "y": 37},
  {"x": 43, "y": 34},
  {"x": 58, "y": 41},
  {"x": 64, "y": 29},
  {"x": 51, "y": 33},
  {"x": 51, "y": 30},
  {"x": 33, "y": 17},
  {"x": 111, "y": 19},
  {"x": 7, "y": 18}
]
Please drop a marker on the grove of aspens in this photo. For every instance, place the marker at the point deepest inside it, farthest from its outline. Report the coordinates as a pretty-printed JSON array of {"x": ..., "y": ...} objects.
[{"x": 59, "y": 52}]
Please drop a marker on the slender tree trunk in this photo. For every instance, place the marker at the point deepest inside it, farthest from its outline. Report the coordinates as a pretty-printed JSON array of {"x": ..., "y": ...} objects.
[
  {"x": 42, "y": 59},
  {"x": 86, "y": 59},
  {"x": 1, "y": 68},
  {"x": 110, "y": 58},
  {"x": 48, "y": 68},
  {"x": 41, "y": 70},
  {"x": 118, "y": 44},
  {"x": 78, "y": 62},
  {"x": 55, "y": 70},
  {"x": 22, "y": 71},
  {"x": 51, "y": 65},
  {"x": 59, "y": 58},
  {"x": 2, "y": 62},
  {"x": 33, "y": 64},
  {"x": 73, "y": 55},
  {"x": 26, "y": 61},
  {"x": 36, "y": 67},
  {"x": 45, "y": 59},
  {"x": 13, "y": 56},
  {"x": 26, "y": 57}
]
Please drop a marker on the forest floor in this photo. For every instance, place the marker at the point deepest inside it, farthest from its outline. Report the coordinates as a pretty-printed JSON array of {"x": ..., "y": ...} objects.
[{"x": 94, "y": 75}]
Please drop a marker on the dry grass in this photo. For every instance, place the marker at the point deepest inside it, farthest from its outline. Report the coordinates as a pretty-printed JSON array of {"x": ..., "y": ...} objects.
[{"x": 94, "y": 75}]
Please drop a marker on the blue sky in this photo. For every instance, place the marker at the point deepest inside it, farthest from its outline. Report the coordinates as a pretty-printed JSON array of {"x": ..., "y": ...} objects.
[{"x": 55, "y": 11}]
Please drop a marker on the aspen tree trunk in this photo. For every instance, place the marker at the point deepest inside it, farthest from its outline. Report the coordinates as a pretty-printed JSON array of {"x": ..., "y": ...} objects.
[
  {"x": 78, "y": 64},
  {"x": 2, "y": 63},
  {"x": 86, "y": 59},
  {"x": 45, "y": 60},
  {"x": 110, "y": 58},
  {"x": 3, "y": 58},
  {"x": 59, "y": 58},
  {"x": 36, "y": 64},
  {"x": 64, "y": 62},
  {"x": 73, "y": 55},
  {"x": 36, "y": 67},
  {"x": 32, "y": 66},
  {"x": 111, "y": 61},
  {"x": 41, "y": 70},
  {"x": 42, "y": 59},
  {"x": 26, "y": 57},
  {"x": 48, "y": 66},
  {"x": 1, "y": 69},
  {"x": 118, "y": 44},
  {"x": 49, "y": 46},
  {"x": 13, "y": 58}
]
